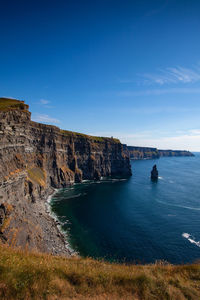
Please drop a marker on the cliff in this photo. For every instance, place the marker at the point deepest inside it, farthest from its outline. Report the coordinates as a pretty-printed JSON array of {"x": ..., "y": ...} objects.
[
  {"x": 141, "y": 152},
  {"x": 37, "y": 158},
  {"x": 151, "y": 153},
  {"x": 174, "y": 153}
]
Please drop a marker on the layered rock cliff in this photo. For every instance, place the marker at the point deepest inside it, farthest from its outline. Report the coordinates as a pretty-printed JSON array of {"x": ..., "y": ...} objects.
[
  {"x": 34, "y": 159},
  {"x": 151, "y": 153},
  {"x": 141, "y": 152},
  {"x": 163, "y": 153}
]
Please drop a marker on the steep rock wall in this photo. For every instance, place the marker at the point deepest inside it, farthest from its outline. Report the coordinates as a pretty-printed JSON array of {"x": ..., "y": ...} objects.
[
  {"x": 141, "y": 152},
  {"x": 34, "y": 159}
]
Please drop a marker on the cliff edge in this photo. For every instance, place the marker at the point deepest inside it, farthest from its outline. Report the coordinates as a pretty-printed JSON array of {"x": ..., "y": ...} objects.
[{"x": 37, "y": 158}]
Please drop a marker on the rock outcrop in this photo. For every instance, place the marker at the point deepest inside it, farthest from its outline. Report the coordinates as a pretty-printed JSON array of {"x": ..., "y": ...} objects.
[
  {"x": 154, "y": 173},
  {"x": 35, "y": 159},
  {"x": 152, "y": 153}
]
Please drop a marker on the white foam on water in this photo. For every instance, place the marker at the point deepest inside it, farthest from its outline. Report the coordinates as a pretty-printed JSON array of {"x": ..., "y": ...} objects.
[
  {"x": 160, "y": 177},
  {"x": 191, "y": 239},
  {"x": 118, "y": 179},
  {"x": 176, "y": 205},
  {"x": 74, "y": 196},
  {"x": 63, "y": 232}
]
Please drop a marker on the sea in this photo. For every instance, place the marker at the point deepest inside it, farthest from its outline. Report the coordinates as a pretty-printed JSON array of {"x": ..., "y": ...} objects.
[{"x": 135, "y": 220}]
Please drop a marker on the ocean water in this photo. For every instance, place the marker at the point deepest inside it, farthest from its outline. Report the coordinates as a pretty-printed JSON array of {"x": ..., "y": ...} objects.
[{"x": 136, "y": 220}]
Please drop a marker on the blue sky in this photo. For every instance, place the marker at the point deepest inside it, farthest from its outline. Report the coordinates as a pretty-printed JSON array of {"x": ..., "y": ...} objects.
[{"x": 130, "y": 69}]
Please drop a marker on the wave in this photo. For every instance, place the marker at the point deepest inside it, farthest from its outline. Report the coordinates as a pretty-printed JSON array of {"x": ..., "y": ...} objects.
[
  {"x": 176, "y": 205},
  {"x": 191, "y": 239},
  {"x": 74, "y": 196},
  {"x": 59, "y": 224}
]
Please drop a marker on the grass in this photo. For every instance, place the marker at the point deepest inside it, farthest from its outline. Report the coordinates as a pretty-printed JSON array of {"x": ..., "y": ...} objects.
[
  {"x": 26, "y": 275},
  {"x": 11, "y": 104},
  {"x": 90, "y": 137},
  {"x": 37, "y": 175}
]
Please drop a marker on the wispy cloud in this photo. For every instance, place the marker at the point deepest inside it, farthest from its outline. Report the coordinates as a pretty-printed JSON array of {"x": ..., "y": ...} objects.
[
  {"x": 44, "y": 101},
  {"x": 170, "y": 75},
  {"x": 173, "y": 75},
  {"x": 158, "y": 92},
  {"x": 44, "y": 119}
]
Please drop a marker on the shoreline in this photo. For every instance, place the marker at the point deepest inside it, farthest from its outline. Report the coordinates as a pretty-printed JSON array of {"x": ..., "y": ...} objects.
[{"x": 58, "y": 225}]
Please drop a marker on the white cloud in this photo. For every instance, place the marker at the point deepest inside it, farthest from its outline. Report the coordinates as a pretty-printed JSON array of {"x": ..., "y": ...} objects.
[
  {"x": 44, "y": 101},
  {"x": 170, "y": 75},
  {"x": 173, "y": 75},
  {"x": 44, "y": 119}
]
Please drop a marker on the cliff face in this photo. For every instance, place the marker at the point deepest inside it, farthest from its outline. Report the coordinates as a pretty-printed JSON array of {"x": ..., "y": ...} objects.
[
  {"x": 141, "y": 152},
  {"x": 163, "y": 153},
  {"x": 151, "y": 153},
  {"x": 34, "y": 158}
]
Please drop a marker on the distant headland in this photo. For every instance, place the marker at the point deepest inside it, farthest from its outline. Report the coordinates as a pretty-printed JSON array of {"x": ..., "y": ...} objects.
[{"x": 151, "y": 153}]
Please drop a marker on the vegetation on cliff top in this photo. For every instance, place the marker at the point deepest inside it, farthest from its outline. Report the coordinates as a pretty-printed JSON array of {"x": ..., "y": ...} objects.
[
  {"x": 90, "y": 137},
  {"x": 26, "y": 275},
  {"x": 9, "y": 104}
]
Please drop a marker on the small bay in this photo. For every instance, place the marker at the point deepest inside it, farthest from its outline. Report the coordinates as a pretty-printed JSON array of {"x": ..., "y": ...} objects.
[{"x": 136, "y": 220}]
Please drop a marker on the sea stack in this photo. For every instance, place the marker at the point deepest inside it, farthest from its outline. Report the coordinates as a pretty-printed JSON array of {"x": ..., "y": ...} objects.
[{"x": 154, "y": 173}]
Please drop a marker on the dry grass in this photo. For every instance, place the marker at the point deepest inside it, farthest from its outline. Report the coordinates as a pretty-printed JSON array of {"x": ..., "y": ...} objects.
[
  {"x": 37, "y": 175},
  {"x": 9, "y": 104},
  {"x": 25, "y": 275}
]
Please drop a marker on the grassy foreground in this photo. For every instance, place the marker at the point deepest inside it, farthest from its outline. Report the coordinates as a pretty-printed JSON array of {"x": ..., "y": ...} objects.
[{"x": 28, "y": 275}]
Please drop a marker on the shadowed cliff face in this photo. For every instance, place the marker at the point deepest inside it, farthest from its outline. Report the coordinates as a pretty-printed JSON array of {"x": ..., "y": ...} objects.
[{"x": 34, "y": 158}]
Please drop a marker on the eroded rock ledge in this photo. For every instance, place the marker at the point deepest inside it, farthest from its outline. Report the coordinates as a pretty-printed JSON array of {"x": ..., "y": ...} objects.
[{"x": 34, "y": 160}]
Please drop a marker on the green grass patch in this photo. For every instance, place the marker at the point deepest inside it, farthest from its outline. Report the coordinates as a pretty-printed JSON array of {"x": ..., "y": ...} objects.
[
  {"x": 11, "y": 104},
  {"x": 90, "y": 137}
]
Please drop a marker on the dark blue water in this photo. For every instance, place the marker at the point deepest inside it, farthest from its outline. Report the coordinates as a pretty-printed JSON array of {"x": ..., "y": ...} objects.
[{"x": 136, "y": 220}]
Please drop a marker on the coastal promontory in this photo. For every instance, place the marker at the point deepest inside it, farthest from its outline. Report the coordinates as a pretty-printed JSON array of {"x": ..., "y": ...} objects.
[{"x": 36, "y": 159}]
